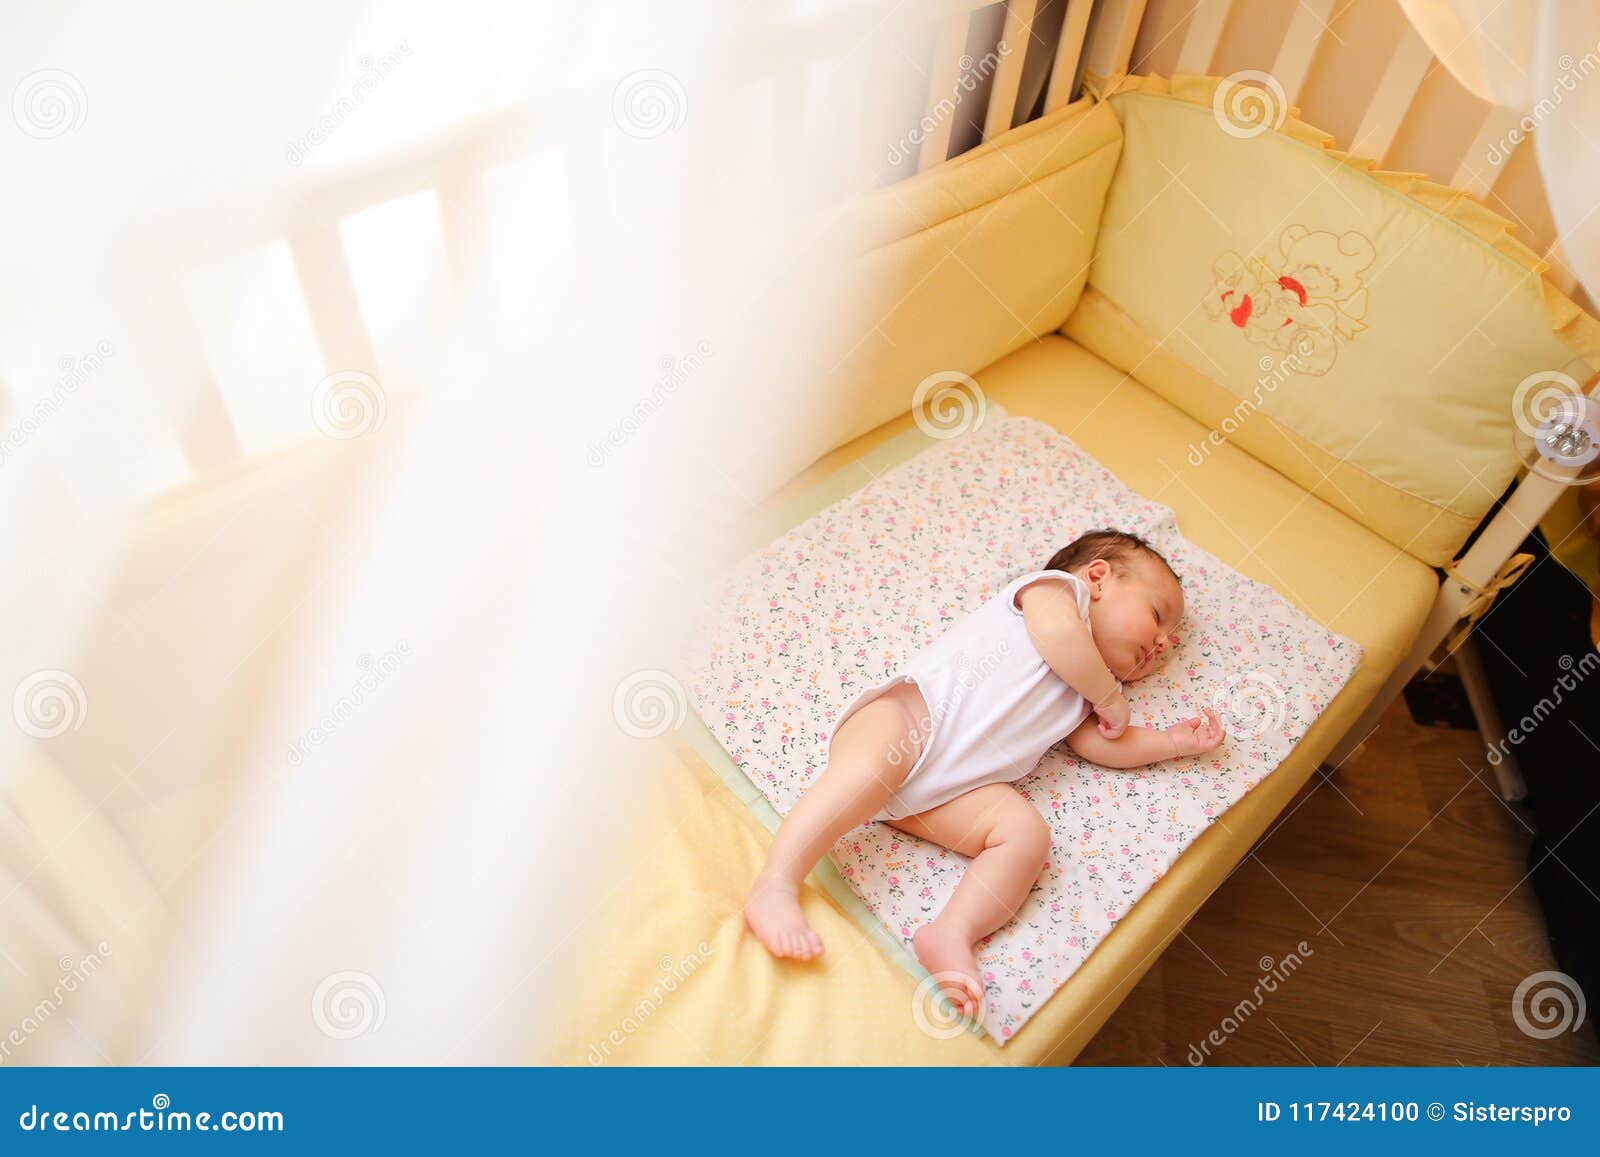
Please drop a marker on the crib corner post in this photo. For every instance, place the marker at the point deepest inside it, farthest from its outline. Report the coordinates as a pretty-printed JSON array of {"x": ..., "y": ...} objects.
[
  {"x": 1447, "y": 607},
  {"x": 1499, "y": 539}
]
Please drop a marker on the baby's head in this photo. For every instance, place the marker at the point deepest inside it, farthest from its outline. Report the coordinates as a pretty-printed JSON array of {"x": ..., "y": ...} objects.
[{"x": 1136, "y": 599}]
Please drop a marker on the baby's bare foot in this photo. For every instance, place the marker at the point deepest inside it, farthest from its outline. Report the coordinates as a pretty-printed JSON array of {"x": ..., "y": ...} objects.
[
  {"x": 774, "y": 915},
  {"x": 948, "y": 956}
]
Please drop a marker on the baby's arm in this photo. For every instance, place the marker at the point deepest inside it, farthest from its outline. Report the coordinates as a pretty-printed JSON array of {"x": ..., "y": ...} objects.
[
  {"x": 1062, "y": 638},
  {"x": 1138, "y": 746}
]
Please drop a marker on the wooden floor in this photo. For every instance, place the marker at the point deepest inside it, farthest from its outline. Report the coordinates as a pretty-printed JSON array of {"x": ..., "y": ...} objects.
[{"x": 1405, "y": 875}]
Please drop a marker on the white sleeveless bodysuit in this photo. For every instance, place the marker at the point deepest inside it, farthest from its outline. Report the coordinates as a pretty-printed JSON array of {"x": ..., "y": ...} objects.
[{"x": 996, "y": 705}]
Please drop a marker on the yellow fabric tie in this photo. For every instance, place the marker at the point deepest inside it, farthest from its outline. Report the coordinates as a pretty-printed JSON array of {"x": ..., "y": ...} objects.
[{"x": 1510, "y": 571}]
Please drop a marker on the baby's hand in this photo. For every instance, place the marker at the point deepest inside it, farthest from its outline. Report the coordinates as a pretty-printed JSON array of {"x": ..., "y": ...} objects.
[
  {"x": 1113, "y": 714},
  {"x": 1196, "y": 735}
]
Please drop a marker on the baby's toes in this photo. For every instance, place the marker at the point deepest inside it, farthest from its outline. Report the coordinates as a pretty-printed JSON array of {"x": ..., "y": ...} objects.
[{"x": 971, "y": 1004}]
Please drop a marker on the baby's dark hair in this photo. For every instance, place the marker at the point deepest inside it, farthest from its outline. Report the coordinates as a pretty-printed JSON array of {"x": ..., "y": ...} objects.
[{"x": 1117, "y": 547}]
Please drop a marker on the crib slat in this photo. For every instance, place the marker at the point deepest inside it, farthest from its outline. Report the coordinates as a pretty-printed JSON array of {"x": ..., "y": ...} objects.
[
  {"x": 206, "y": 433},
  {"x": 207, "y": 436},
  {"x": 1200, "y": 41},
  {"x": 1116, "y": 27},
  {"x": 1479, "y": 168},
  {"x": 462, "y": 215},
  {"x": 331, "y": 302},
  {"x": 1064, "y": 73},
  {"x": 1008, "y": 73},
  {"x": 1398, "y": 88},
  {"x": 942, "y": 84},
  {"x": 1299, "y": 45}
]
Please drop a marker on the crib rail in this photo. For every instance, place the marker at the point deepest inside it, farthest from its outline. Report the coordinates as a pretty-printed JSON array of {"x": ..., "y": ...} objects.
[
  {"x": 1023, "y": 58},
  {"x": 988, "y": 67}
]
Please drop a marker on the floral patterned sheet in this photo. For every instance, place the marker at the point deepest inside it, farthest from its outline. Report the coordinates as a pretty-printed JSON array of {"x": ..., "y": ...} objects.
[{"x": 843, "y": 599}]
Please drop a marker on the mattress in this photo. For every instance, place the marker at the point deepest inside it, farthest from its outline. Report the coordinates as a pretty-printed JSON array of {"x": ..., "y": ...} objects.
[
  {"x": 671, "y": 975},
  {"x": 838, "y": 604}
]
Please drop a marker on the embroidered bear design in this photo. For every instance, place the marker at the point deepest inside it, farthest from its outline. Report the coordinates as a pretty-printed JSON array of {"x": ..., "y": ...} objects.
[{"x": 1303, "y": 304}]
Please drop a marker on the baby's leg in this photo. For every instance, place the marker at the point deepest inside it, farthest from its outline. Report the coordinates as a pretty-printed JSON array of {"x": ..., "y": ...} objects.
[
  {"x": 871, "y": 753},
  {"x": 1009, "y": 842}
]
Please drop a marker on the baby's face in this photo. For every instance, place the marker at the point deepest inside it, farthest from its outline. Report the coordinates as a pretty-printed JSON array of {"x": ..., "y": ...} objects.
[{"x": 1133, "y": 615}]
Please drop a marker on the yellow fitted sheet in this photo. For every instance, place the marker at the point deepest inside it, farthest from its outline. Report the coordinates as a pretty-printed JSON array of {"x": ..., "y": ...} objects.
[{"x": 675, "y": 979}]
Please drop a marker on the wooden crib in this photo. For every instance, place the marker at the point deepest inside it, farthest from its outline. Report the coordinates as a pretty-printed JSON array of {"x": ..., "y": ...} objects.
[{"x": 1086, "y": 269}]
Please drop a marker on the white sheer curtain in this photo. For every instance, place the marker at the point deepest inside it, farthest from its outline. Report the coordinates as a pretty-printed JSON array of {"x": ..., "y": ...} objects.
[
  {"x": 1540, "y": 58},
  {"x": 380, "y": 382}
]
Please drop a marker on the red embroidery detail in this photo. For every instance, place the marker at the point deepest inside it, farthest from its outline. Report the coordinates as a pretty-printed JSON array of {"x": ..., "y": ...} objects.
[
  {"x": 1290, "y": 283},
  {"x": 1241, "y": 315}
]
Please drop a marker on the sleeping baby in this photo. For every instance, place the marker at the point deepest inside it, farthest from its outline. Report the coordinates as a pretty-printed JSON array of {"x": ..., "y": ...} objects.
[{"x": 934, "y": 749}]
